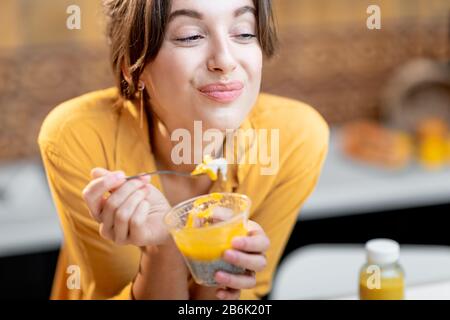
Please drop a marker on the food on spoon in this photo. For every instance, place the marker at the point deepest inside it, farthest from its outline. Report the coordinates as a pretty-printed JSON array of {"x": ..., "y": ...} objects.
[{"x": 211, "y": 167}]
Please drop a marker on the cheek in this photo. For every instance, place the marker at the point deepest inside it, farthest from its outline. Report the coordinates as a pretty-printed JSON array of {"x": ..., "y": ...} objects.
[
  {"x": 171, "y": 71},
  {"x": 251, "y": 62},
  {"x": 253, "y": 68},
  {"x": 256, "y": 65}
]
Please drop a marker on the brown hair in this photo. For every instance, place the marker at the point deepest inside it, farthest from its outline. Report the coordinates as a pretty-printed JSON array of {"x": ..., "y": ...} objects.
[{"x": 135, "y": 31}]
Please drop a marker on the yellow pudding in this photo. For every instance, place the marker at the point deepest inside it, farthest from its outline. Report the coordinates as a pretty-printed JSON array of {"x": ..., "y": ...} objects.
[
  {"x": 203, "y": 244},
  {"x": 203, "y": 228},
  {"x": 209, "y": 229}
]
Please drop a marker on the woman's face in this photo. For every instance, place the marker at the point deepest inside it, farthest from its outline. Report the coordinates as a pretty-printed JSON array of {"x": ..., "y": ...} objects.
[{"x": 206, "y": 43}]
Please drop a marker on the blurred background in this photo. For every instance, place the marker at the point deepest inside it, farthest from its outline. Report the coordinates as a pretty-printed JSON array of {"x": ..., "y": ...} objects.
[{"x": 385, "y": 94}]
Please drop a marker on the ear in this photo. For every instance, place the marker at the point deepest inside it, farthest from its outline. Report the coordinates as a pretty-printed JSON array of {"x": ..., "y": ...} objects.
[
  {"x": 147, "y": 79},
  {"x": 125, "y": 72},
  {"x": 144, "y": 75}
]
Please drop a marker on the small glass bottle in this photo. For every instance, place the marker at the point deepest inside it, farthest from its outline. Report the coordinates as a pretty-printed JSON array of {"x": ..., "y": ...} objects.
[{"x": 382, "y": 277}]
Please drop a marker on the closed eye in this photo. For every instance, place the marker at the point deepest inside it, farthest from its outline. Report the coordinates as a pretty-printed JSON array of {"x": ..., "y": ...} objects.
[
  {"x": 247, "y": 36},
  {"x": 190, "y": 39}
]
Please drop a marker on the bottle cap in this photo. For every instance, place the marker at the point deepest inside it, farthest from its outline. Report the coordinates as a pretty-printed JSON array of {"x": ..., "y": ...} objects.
[{"x": 382, "y": 251}]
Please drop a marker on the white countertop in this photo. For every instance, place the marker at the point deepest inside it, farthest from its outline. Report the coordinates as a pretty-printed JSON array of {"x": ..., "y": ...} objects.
[
  {"x": 428, "y": 291},
  {"x": 28, "y": 219},
  {"x": 331, "y": 271},
  {"x": 348, "y": 187}
]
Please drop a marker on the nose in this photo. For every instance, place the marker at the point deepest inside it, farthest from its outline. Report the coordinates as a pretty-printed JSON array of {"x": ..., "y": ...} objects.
[{"x": 221, "y": 59}]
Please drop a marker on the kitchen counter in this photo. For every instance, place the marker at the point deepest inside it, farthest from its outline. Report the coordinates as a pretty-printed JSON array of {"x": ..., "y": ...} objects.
[
  {"x": 428, "y": 291},
  {"x": 331, "y": 271},
  {"x": 348, "y": 187},
  {"x": 28, "y": 219}
]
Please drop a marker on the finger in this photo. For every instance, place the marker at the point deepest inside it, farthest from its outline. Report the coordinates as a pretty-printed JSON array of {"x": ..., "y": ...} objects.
[
  {"x": 254, "y": 228},
  {"x": 94, "y": 191},
  {"x": 146, "y": 179},
  {"x": 255, "y": 243},
  {"x": 137, "y": 222},
  {"x": 147, "y": 225},
  {"x": 99, "y": 172},
  {"x": 116, "y": 199},
  {"x": 235, "y": 281},
  {"x": 106, "y": 233},
  {"x": 255, "y": 262},
  {"x": 228, "y": 294},
  {"x": 123, "y": 214}
]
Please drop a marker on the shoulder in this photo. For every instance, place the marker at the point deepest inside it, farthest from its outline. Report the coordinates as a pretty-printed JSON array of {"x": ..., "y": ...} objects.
[
  {"x": 300, "y": 126},
  {"x": 85, "y": 118},
  {"x": 296, "y": 146}
]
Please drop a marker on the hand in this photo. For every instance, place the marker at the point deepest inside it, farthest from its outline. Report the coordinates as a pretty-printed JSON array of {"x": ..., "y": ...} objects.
[
  {"x": 248, "y": 253},
  {"x": 132, "y": 213}
]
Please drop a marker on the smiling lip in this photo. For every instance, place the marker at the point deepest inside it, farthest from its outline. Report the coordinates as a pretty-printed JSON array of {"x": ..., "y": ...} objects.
[{"x": 222, "y": 92}]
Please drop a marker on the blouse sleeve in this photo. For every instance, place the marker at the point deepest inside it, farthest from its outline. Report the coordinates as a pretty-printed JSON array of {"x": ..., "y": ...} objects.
[{"x": 106, "y": 269}]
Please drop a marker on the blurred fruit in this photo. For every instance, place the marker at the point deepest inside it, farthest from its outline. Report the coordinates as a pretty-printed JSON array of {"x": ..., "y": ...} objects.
[
  {"x": 432, "y": 127},
  {"x": 432, "y": 136},
  {"x": 448, "y": 150},
  {"x": 368, "y": 141}
]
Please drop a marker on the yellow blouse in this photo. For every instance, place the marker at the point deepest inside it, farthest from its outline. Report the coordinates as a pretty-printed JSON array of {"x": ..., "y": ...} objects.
[{"x": 95, "y": 131}]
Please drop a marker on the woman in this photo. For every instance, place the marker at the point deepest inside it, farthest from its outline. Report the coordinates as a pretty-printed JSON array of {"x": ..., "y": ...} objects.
[{"x": 176, "y": 63}]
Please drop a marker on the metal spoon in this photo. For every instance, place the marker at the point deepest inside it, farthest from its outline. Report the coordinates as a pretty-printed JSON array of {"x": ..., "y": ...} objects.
[{"x": 178, "y": 173}]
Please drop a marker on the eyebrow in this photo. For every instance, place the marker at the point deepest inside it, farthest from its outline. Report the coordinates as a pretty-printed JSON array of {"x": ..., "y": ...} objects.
[{"x": 197, "y": 15}]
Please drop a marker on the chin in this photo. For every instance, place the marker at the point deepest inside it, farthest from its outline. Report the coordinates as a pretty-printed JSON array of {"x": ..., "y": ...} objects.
[
  {"x": 220, "y": 119},
  {"x": 222, "y": 125}
]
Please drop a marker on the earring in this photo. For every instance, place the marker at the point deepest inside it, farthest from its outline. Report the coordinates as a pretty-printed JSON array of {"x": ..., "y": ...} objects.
[{"x": 141, "y": 88}]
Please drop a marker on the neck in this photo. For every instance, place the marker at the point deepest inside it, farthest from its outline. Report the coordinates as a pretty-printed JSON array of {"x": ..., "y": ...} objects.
[
  {"x": 162, "y": 147},
  {"x": 177, "y": 188}
]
